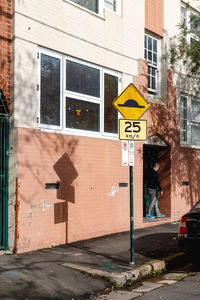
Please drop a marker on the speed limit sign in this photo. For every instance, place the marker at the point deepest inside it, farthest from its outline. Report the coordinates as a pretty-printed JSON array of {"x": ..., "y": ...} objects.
[{"x": 133, "y": 130}]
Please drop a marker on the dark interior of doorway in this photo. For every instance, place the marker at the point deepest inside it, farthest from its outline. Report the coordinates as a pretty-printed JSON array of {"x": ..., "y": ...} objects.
[{"x": 152, "y": 154}]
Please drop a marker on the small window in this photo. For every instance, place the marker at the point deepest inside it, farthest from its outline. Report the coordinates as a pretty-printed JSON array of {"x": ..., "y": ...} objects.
[
  {"x": 151, "y": 55},
  {"x": 114, "y": 5},
  {"x": 190, "y": 120},
  {"x": 190, "y": 20},
  {"x": 92, "y": 5},
  {"x": 195, "y": 134}
]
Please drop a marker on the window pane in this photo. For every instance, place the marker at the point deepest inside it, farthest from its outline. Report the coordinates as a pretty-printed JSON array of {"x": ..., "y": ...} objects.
[
  {"x": 82, "y": 115},
  {"x": 153, "y": 83},
  {"x": 153, "y": 71},
  {"x": 183, "y": 15},
  {"x": 110, "y": 113},
  {"x": 193, "y": 24},
  {"x": 183, "y": 113},
  {"x": 149, "y": 82},
  {"x": 149, "y": 56},
  {"x": 155, "y": 59},
  {"x": 184, "y": 136},
  {"x": 50, "y": 90},
  {"x": 155, "y": 46},
  {"x": 145, "y": 41},
  {"x": 89, "y": 4},
  {"x": 149, "y": 43},
  {"x": 145, "y": 54},
  {"x": 195, "y": 135},
  {"x": 111, "y": 4},
  {"x": 184, "y": 124},
  {"x": 183, "y": 102},
  {"x": 183, "y": 12},
  {"x": 82, "y": 79},
  {"x": 183, "y": 116},
  {"x": 195, "y": 111}
]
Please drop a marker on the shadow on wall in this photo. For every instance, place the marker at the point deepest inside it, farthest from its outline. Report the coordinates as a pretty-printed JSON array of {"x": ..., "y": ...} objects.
[{"x": 67, "y": 173}]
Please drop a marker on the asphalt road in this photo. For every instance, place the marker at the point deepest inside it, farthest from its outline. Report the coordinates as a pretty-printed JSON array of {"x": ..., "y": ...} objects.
[{"x": 42, "y": 277}]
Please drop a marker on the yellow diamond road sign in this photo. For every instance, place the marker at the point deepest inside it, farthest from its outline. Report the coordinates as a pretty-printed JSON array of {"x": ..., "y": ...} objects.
[{"x": 131, "y": 103}]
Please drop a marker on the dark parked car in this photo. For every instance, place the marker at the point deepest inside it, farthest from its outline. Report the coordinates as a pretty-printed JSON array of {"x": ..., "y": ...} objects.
[{"x": 189, "y": 231}]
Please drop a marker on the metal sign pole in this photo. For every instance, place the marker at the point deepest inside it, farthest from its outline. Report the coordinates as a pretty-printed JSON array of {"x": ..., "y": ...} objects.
[
  {"x": 131, "y": 105},
  {"x": 131, "y": 217}
]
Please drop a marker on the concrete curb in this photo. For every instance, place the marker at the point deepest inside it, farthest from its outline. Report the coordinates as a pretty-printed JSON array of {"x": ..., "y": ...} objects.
[{"x": 121, "y": 278}]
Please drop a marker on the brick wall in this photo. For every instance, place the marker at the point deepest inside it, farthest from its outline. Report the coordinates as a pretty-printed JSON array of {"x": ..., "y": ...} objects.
[
  {"x": 5, "y": 47},
  {"x": 154, "y": 16}
]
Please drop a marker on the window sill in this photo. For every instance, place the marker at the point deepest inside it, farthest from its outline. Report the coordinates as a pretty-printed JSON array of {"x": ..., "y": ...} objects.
[
  {"x": 155, "y": 99},
  {"x": 117, "y": 13},
  {"x": 100, "y": 16},
  {"x": 75, "y": 132},
  {"x": 190, "y": 146}
]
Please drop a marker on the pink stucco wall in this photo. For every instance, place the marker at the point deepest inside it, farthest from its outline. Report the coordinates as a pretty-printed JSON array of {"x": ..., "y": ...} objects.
[{"x": 89, "y": 202}]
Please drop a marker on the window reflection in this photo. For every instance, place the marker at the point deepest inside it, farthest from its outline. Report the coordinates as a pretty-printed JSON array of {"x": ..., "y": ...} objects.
[{"x": 82, "y": 115}]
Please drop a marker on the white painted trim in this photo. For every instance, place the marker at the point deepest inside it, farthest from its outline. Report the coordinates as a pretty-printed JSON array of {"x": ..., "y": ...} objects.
[
  {"x": 115, "y": 74},
  {"x": 56, "y": 55}
]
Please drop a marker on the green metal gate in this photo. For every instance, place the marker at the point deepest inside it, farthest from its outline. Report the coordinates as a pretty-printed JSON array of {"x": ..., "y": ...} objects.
[{"x": 4, "y": 133}]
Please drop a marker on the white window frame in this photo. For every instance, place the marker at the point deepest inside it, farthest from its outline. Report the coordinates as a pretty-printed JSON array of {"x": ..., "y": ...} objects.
[
  {"x": 100, "y": 7},
  {"x": 66, "y": 93},
  {"x": 187, "y": 19},
  {"x": 116, "y": 74},
  {"x": 190, "y": 122},
  {"x": 83, "y": 97},
  {"x": 56, "y": 55},
  {"x": 118, "y": 7},
  {"x": 157, "y": 91}
]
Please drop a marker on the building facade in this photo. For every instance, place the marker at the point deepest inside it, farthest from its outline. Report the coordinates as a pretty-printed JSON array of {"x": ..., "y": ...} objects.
[{"x": 71, "y": 59}]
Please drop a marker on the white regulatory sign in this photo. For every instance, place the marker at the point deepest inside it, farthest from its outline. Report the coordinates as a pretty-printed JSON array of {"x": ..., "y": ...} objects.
[
  {"x": 125, "y": 153},
  {"x": 131, "y": 153}
]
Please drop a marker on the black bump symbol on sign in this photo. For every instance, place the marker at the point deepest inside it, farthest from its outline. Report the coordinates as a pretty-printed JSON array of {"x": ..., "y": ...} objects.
[{"x": 131, "y": 103}]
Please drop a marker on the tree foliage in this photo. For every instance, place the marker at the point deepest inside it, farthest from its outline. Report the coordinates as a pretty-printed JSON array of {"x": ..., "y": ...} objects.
[{"x": 185, "y": 47}]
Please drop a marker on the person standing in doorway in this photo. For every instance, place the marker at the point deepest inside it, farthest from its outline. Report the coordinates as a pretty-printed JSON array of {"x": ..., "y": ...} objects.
[{"x": 153, "y": 187}]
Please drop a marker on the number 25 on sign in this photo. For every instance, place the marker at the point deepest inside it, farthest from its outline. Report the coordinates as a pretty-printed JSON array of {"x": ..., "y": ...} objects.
[{"x": 133, "y": 130}]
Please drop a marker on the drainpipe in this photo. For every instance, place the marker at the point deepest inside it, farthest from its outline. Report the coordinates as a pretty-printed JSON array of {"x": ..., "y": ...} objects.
[{"x": 17, "y": 215}]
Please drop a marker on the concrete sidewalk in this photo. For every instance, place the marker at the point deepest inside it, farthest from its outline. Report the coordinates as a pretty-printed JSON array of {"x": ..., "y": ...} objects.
[
  {"x": 109, "y": 256},
  {"x": 62, "y": 272}
]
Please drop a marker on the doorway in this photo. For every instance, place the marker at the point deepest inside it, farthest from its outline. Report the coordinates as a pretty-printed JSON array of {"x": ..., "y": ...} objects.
[
  {"x": 156, "y": 149},
  {"x": 4, "y": 131}
]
